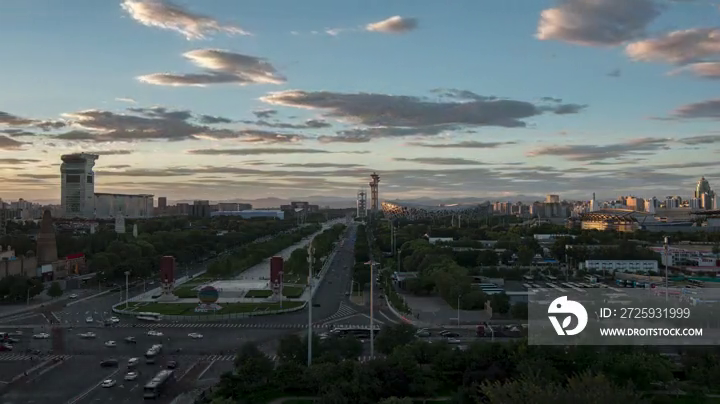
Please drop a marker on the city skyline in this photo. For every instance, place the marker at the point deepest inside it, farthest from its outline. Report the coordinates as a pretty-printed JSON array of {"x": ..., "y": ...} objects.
[{"x": 220, "y": 100}]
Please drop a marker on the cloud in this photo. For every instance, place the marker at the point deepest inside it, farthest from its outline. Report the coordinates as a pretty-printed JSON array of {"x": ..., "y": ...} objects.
[
  {"x": 143, "y": 124},
  {"x": 6, "y": 143},
  {"x": 167, "y": 15},
  {"x": 320, "y": 165},
  {"x": 252, "y": 152},
  {"x": 364, "y": 135},
  {"x": 39, "y": 176},
  {"x": 264, "y": 113},
  {"x": 468, "y": 95},
  {"x": 393, "y": 25},
  {"x": 597, "y": 22},
  {"x": 706, "y": 70},
  {"x": 125, "y": 99},
  {"x": 451, "y": 161},
  {"x": 252, "y": 136},
  {"x": 406, "y": 111},
  {"x": 677, "y": 47},
  {"x": 110, "y": 152},
  {"x": 602, "y": 152},
  {"x": 614, "y": 73},
  {"x": 221, "y": 67},
  {"x": 10, "y": 160},
  {"x": 467, "y": 144},
  {"x": 211, "y": 120},
  {"x": 698, "y": 110},
  {"x": 696, "y": 140},
  {"x": 118, "y": 166},
  {"x": 308, "y": 124},
  {"x": 8, "y": 119},
  {"x": 17, "y": 132}
]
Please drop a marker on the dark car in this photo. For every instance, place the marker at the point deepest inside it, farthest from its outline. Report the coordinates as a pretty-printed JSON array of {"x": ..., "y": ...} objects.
[
  {"x": 172, "y": 364},
  {"x": 451, "y": 335},
  {"x": 130, "y": 340},
  {"x": 109, "y": 363}
]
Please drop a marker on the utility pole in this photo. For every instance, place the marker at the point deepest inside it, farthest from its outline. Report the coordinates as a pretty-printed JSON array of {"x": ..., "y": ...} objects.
[
  {"x": 372, "y": 311},
  {"x": 127, "y": 289},
  {"x": 311, "y": 252},
  {"x": 667, "y": 251}
]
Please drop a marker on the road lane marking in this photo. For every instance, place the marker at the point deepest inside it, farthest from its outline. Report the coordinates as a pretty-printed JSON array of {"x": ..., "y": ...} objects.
[
  {"x": 90, "y": 390},
  {"x": 205, "y": 370},
  {"x": 388, "y": 318},
  {"x": 56, "y": 317},
  {"x": 47, "y": 369},
  {"x": 188, "y": 370},
  {"x": 45, "y": 317}
]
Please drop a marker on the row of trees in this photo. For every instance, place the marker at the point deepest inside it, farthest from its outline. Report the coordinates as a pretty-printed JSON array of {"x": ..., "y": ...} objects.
[
  {"x": 297, "y": 264},
  {"x": 493, "y": 373},
  {"x": 254, "y": 253},
  {"x": 361, "y": 271}
]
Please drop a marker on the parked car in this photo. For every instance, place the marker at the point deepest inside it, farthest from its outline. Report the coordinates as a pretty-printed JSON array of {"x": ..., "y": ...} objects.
[{"x": 111, "y": 344}]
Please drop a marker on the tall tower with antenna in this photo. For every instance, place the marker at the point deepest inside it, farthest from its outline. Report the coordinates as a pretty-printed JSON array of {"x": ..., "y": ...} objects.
[
  {"x": 361, "y": 204},
  {"x": 374, "y": 192}
]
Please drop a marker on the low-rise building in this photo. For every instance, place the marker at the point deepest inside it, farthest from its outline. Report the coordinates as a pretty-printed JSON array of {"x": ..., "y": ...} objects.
[
  {"x": 620, "y": 265},
  {"x": 249, "y": 214}
]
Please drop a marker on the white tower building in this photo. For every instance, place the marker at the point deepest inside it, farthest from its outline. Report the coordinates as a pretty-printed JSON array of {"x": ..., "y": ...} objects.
[{"x": 77, "y": 190}]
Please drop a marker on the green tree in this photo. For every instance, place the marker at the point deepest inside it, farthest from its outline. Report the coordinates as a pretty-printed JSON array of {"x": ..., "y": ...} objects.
[
  {"x": 292, "y": 349},
  {"x": 519, "y": 310},
  {"x": 500, "y": 303},
  {"x": 393, "y": 336},
  {"x": 488, "y": 258},
  {"x": 55, "y": 290},
  {"x": 525, "y": 255}
]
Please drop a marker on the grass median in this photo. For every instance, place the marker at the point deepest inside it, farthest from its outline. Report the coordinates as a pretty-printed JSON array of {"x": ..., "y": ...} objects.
[
  {"x": 292, "y": 292},
  {"x": 188, "y": 309}
]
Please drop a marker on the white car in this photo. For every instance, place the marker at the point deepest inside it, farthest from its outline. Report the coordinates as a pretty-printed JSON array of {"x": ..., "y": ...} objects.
[
  {"x": 114, "y": 320},
  {"x": 194, "y": 335},
  {"x": 88, "y": 335},
  {"x": 89, "y": 319},
  {"x": 108, "y": 383},
  {"x": 131, "y": 376},
  {"x": 154, "y": 333},
  {"x": 73, "y": 296},
  {"x": 133, "y": 362},
  {"x": 42, "y": 335},
  {"x": 111, "y": 344}
]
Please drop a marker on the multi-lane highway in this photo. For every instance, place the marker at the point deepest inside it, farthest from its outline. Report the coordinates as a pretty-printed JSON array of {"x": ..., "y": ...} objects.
[{"x": 76, "y": 375}]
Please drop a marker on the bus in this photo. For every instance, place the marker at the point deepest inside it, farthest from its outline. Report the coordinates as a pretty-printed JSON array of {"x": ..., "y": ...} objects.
[
  {"x": 155, "y": 387},
  {"x": 359, "y": 332},
  {"x": 149, "y": 317},
  {"x": 152, "y": 353}
]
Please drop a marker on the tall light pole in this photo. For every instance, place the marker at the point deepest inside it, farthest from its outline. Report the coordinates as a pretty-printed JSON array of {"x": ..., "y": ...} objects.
[
  {"x": 667, "y": 250},
  {"x": 311, "y": 253},
  {"x": 567, "y": 268},
  {"x": 372, "y": 311},
  {"x": 127, "y": 289},
  {"x": 458, "y": 309}
]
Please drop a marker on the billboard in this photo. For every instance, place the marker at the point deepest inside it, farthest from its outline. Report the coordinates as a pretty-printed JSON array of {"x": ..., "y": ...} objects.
[
  {"x": 167, "y": 269},
  {"x": 276, "y": 270}
]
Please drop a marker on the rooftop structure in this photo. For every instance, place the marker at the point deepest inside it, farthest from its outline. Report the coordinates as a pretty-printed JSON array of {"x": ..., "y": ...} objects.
[{"x": 415, "y": 211}]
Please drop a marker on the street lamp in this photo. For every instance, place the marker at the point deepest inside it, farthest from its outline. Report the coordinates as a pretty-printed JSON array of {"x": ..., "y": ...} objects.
[
  {"x": 667, "y": 250},
  {"x": 311, "y": 253},
  {"x": 458, "y": 309},
  {"x": 372, "y": 310},
  {"x": 127, "y": 289}
]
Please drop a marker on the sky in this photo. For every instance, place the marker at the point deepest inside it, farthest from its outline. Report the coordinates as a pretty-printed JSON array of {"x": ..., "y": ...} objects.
[{"x": 246, "y": 99}]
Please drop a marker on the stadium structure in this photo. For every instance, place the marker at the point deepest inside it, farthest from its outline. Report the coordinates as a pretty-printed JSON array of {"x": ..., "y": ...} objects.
[
  {"x": 628, "y": 220},
  {"x": 412, "y": 211}
]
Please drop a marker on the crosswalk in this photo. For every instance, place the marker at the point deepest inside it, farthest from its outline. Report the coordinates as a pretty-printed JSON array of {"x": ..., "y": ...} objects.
[
  {"x": 344, "y": 311},
  {"x": 12, "y": 357},
  {"x": 181, "y": 358},
  {"x": 231, "y": 325}
]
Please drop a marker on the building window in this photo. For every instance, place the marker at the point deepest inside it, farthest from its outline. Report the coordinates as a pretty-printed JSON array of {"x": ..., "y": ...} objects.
[
  {"x": 72, "y": 179},
  {"x": 89, "y": 179}
]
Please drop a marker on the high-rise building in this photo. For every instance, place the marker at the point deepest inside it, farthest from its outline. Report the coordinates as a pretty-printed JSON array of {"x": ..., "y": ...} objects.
[
  {"x": 46, "y": 245},
  {"x": 552, "y": 198},
  {"x": 162, "y": 202},
  {"x": 361, "y": 204},
  {"x": 78, "y": 185}
]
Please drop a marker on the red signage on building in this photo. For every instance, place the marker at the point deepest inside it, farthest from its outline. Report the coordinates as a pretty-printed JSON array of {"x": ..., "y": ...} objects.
[
  {"x": 276, "y": 270},
  {"x": 167, "y": 269},
  {"x": 74, "y": 256}
]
